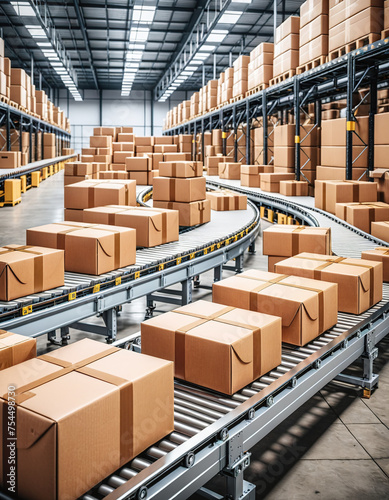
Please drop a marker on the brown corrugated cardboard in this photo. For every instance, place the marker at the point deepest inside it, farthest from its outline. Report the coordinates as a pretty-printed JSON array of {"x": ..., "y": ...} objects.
[
  {"x": 291, "y": 41},
  {"x": 25, "y": 270},
  {"x": 284, "y": 240},
  {"x": 335, "y": 156},
  {"x": 88, "y": 194},
  {"x": 329, "y": 193},
  {"x": 311, "y": 9},
  {"x": 15, "y": 349},
  {"x": 380, "y": 230},
  {"x": 229, "y": 170},
  {"x": 10, "y": 159},
  {"x": 271, "y": 261},
  {"x": 291, "y": 25},
  {"x": 190, "y": 214},
  {"x": 307, "y": 307},
  {"x": 360, "y": 282},
  {"x": 379, "y": 254},
  {"x": 361, "y": 215},
  {"x": 381, "y": 177},
  {"x": 178, "y": 189},
  {"x": 314, "y": 29},
  {"x": 381, "y": 156},
  {"x": 271, "y": 182},
  {"x": 227, "y": 200},
  {"x": 89, "y": 248},
  {"x": 285, "y": 62},
  {"x": 294, "y": 188},
  {"x": 314, "y": 49},
  {"x": 339, "y": 173},
  {"x": 242, "y": 352},
  {"x": 381, "y": 125},
  {"x": 138, "y": 164},
  {"x": 181, "y": 169},
  {"x": 333, "y": 132}
]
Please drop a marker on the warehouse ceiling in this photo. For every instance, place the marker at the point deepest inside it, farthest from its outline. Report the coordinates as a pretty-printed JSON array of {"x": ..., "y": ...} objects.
[{"x": 95, "y": 36}]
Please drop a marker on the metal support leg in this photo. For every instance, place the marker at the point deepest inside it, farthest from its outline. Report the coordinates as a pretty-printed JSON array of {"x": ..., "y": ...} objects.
[
  {"x": 196, "y": 282},
  {"x": 150, "y": 307},
  {"x": 110, "y": 320},
  {"x": 239, "y": 264},
  {"x": 265, "y": 130},
  {"x": 218, "y": 273},
  {"x": 251, "y": 249},
  {"x": 59, "y": 337},
  {"x": 297, "y": 163},
  {"x": 350, "y": 118},
  {"x": 186, "y": 286}
]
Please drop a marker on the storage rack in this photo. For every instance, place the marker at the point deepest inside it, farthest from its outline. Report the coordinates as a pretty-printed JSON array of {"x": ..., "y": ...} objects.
[
  {"x": 12, "y": 118},
  {"x": 367, "y": 67}
]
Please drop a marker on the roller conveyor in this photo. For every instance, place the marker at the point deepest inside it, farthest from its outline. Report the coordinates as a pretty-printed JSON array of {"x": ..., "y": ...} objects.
[{"x": 205, "y": 422}]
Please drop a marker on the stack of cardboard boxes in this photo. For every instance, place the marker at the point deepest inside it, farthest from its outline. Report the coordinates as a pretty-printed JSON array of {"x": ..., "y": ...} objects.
[
  {"x": 313, "y": 33},
  {"x": 351, "y": 21},
  {"x": 330, "y": 193},
  {"x": 240, "y": 78},
  {"x": 182, "y": 187},
  {"x": 286, "y": 49},
  {"x": 227, "y": 84},
  {"x": 260, "y": 67}
]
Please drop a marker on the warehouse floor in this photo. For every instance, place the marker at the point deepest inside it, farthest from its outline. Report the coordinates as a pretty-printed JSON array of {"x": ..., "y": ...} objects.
[{"x": 336, "y": 446}]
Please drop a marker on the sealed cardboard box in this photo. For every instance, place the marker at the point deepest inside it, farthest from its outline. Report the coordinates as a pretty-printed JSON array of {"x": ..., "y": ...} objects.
[
  {"x": 227, "y": 200},
  {"x": 360, "y": 282},
  {"x": 107, "y": 380},
  {"x": 110, "y": 215},
  {"x": 329, "y": 193},
  {"x": 89, "y": 248},
  {"x": 271, "y": 181},
  {"x": 178, "y": 189},
  {"x": 380, "y": 230},
  {"x": 213, "y": 161},
  {"x": 15, "y": 349},
  {"x": 284, "y": 240},
  {"x": 194, "y": 334},
  {"x": 117, "y": 174},
  {"x": 284, "y": 135},
  {"x": 229, "y": 170},
  {"x": 381, "y": 177},
  {"x": 380, "y": 254},
  {"x": 10, "y": 159},
  {"x": 143, "y": 178},
  {"x": 311, "y": 9},
  {"x": 79, "y": 168},
  {"x": 105, "y": 131},
  {"x": 272, "y": 261},
  {"x": 88, "y": 194},
  {"x": 181, "y": 169},
  {"x": 190, "y": 214},
  {"x": 166, "y": 148},
  {"x": 144, "y": 141},
  {"x": 314, "y": 49},
  {"x": 316, "y": 28},
  {"x": 120, "y": 156},
  {"x": 138, "y": 164},
  {"x": 291, "y": 25},
  {"x": 294, "y": 188},
  {"x": 324, "y": 173},
  {"x": 361, "y": 215},
  {"x": 307, "y": 307},
  {"x": 25, "y": 270}
]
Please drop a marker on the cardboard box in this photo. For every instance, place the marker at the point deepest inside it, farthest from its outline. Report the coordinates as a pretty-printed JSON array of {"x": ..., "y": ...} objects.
[
  {"x": 79, "y": 168},
  {"x": 307, "y": 307},
  {"x": 291, "y": 25},
  {"x": 181, "y": 169},
  {"x": 315, "y": 29},
  {"x": 381, "y": 124},
  {"x": 123, "y": 146},
  {"x": 143, "y": 178},
  {"x": 166, "y": 148},
  {"x": 107, "y": 380},
  {"x": 272, "y": 261},
  {"x": 227, "y": 200},
  {"x": 10, "y": 159},
  {"x": 333, "y": 132},
  {"x": 311, "y": 9},
  {"x": 120, "y": 156},
  {"x": 229, "y": 170},
  {"x": 379, "y": 254},
  {"x": 335, "y": 156},
  {"x": 314, "y": 49},
  {"x": 360, "y": 283},
  {"x": 329, "y": 193},
  {"x": 294, "y": 188},
  {"x": 117, "y": 174},
  {"x": 89, "y": 248},
  {"x": 89, "y": 194},
  {"x": 284, "y": 135},
  {"x": 73, "y": 215},
  {"x": 73, "y": 179},
  {"x": 25, "y": 270},
  {"x": 178, "y": 189},
  {"x": 15, "y": 349},
  {"x": 141, "y": 150},
  {"x": 339, "y": 173},
  {"x": 285, "y": 62},
  {"x": 190, "y": 214},
  {"x": 381, "y": 177},
  {"x": 380, "y": 230},
  {"x": 213, "y": 161},
  {"x": 110, "y": 215},
  {"x": 215, "y": 346},
  {"x": 103, "y": 141},
  {"x": 144, "y": 141},
  {"x": 381, "y": 153},
  {"x": 142, "y": 164},
  {"x": 361, "y": 215},
  {"x": 271, "y": 181},
  {"x": 285, "y": 240},
  {"x": 97, "y": 131}
]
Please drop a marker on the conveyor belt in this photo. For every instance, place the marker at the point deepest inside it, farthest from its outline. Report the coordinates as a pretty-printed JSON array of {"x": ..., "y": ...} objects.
[
  {"x": 12, "y": 173},
  {"x": 207, "y": 246},
  {"x": 205, "y": 421}
]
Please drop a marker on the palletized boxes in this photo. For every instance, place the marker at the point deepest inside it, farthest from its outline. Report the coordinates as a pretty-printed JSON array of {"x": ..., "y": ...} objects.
[
  {"x": 381, "y": 146},
  {"x": 89, "y": 194},
  {"x": 18, "y": 92},
  {"x": 92, "y": 408},
  {"x": 307, "y": 307},
  {"x": 249, "y": 174},
  {"x": 25, "y": 270},
  {"x": 351, "y": 20},
  {"x": 215, "y": 346},
  {"x": 360, "y": 281},
  {"x": 240, "y": 79},
  {"x": 260, "y": 67},
  {"x": 286, "y": 48},
  {"x": 49, "y": 147},
  {"x": 329, "y": 193},
  {"x": 361, "y": 215},
  {"x": 313, "y": 30},
  {"x": 154, "y": 226},
  {"x": 227, "y": 200},
  {"x": 380, "y": 254},
  {"x": 89, "y": 248},
  {"x": 15, "y": 349}
]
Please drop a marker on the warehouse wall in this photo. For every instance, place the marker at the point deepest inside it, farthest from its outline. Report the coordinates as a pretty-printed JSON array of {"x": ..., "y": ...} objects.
[{"x": 134, "y": 111}]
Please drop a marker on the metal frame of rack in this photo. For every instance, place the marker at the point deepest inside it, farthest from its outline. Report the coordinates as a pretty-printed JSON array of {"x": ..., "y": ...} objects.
[{"x": 367, "y": 67}]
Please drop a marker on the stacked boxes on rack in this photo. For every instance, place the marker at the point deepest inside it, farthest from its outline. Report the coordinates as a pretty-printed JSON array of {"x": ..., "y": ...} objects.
[
  {"x": 240, "y": 78},
  {"x": 286, "y": 48},
  {"x": 260, "y": 67},
  {"x": 313, "y": 32},
  {"x": 182, "y": 187}
]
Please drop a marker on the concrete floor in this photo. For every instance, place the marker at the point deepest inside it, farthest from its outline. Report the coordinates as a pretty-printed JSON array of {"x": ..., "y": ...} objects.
[{"x": 335, "y": 447}]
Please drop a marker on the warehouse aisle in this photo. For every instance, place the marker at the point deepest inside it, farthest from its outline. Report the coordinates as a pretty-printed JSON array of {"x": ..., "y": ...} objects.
[{"x": 336, "y": 446}]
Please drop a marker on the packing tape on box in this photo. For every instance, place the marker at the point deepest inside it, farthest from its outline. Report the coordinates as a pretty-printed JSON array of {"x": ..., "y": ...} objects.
[{"x": 38, "y": 265}]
